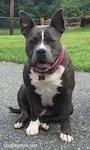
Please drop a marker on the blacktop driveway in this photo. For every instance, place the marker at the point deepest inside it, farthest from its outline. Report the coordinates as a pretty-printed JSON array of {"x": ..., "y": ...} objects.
[{"x": 11, "y": 139}]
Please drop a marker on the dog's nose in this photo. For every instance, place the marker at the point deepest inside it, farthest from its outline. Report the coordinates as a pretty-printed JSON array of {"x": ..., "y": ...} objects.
[{"x": 41, "y": 52}]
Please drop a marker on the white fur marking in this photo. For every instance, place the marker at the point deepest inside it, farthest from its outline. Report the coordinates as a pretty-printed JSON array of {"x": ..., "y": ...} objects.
[
  {"x": 33, "y": 128},
  {"x": 42, "y": 46},
  {"x": 44, "y": 126},
  {"x": 18, "y": 125},
  {"x": 47, "y": 88},
  {"x": 66, "y": 138},
  {"x": 42, "y": 36}
]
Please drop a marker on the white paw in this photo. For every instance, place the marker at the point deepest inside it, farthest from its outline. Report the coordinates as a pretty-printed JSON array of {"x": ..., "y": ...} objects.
[
  {"x": 18, "y": 125},
  {"x": 33, "y": 128},
  {"x": 66, "y": 138},
  {"x": 44, "y": 126}
]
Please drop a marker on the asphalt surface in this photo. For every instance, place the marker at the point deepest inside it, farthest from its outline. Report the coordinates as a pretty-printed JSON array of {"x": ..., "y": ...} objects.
[{"x": 11, "y": 139}]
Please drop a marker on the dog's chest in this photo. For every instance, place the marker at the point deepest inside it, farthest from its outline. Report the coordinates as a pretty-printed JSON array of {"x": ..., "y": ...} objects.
[{"x": 47, "y": 88}]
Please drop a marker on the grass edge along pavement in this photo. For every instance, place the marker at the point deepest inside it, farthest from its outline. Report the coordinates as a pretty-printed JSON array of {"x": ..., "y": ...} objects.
[{"x": 76, "y": 40}]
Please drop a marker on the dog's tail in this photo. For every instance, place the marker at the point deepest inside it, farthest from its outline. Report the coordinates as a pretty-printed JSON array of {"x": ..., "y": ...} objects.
[{"x": 15, "y": 110}]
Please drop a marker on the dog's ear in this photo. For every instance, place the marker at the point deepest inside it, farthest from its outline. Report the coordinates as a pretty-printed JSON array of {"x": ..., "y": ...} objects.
[
  {"x": 26, "y": 22},
  {"x": 57, "y": 21}
]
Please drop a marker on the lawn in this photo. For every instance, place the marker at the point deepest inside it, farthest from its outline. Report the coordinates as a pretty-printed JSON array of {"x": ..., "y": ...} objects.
[{"x": 76, "y": 40}]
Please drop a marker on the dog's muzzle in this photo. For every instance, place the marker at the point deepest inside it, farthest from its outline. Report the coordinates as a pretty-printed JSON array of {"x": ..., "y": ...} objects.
[
  {"x": 42, "y": 59},
  {"x": 44, "y": 67}
]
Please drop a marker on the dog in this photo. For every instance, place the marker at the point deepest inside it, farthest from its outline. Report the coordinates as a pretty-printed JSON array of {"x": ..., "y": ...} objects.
[{"x": 46, "y": 95}]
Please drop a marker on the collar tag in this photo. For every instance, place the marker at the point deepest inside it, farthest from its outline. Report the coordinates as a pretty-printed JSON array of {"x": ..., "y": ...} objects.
[{"x": 42, "y": 77}]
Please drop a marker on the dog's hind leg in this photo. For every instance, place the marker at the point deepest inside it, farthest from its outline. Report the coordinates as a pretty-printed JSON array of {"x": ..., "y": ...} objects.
[
  {"x": 22, "y": 120},
  {"x": 24, "y": 107}
]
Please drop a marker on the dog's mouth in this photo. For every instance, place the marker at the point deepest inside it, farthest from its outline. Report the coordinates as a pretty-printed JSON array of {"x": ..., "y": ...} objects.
[{"x": 42, "y": 65}]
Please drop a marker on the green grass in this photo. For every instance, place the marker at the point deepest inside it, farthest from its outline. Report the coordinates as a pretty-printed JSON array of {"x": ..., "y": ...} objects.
[
  {"x": 12, "y": 48},
  {"x": 75, "y": 40},
  {"x": 7, "y": 32}
]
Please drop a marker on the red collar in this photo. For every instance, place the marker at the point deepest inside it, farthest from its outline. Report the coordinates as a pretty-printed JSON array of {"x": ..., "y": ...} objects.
[{"x": 54, "y": 67}]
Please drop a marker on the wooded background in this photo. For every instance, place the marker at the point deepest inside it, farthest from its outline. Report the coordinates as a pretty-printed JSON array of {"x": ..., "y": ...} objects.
[{"x": 45, "y": 8}]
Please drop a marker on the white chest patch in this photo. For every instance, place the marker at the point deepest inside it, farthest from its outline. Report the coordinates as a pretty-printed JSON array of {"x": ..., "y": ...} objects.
[{"x": 47, "y": 88}]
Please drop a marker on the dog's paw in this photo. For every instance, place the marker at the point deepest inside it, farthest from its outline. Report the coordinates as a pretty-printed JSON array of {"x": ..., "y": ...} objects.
[
  {"x": 18, "y": 125},
  {"x": 44, "y": 126},
  {"x": 33, "y": 128},
  {"x": 66, "y": 138}
]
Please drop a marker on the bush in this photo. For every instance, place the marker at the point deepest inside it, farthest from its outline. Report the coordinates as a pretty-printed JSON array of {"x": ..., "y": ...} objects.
[{"x": 85, "y": 21}]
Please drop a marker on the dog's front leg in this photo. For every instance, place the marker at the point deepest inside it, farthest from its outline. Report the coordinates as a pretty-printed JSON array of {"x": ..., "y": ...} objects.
[
  {"x": 33, "y": 127},
  {"x": 65, "y": 126}
]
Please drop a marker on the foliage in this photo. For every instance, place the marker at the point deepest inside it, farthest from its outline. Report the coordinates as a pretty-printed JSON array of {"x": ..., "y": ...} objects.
[
  {"x": 4, "y": 8},
  {"x": 74, "y": 8},
  {"x": 45, "y": 8}
]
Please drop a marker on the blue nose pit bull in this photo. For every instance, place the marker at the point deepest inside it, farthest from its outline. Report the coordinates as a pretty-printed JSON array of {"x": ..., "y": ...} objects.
[{"x": 46, "y": 95}]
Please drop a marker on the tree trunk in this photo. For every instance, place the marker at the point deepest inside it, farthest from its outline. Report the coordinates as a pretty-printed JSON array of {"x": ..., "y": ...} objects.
[{"x": 11, "y": 16}]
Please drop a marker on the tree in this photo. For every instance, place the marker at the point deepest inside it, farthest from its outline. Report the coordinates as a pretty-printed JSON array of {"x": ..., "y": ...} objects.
[
  {"x": 45, "y": 8},
  {"x": 4, "y": 8}
]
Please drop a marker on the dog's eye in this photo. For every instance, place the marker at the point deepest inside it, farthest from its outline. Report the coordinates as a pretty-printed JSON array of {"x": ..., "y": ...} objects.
[
  {"x": 34, "y": 41},
  {"x": 50, "y": 41}
]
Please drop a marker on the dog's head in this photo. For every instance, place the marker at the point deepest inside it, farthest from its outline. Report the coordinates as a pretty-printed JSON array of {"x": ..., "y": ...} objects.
[{"x": 42, "y": 42}]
